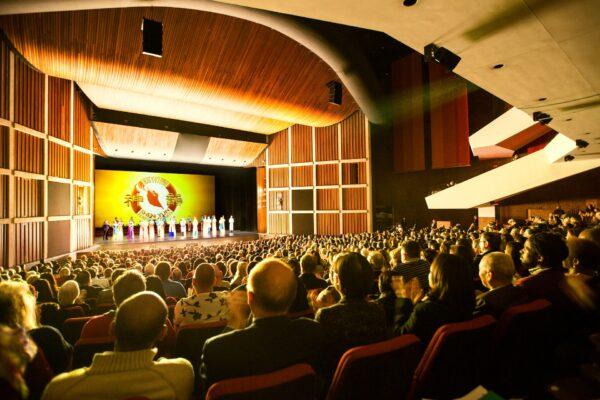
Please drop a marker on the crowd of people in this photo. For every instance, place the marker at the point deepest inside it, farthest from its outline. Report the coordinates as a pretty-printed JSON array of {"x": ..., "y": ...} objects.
[{"x": 353, "y": 289}]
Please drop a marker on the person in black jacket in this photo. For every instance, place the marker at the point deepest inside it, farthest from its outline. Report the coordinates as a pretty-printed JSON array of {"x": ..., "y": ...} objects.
[
  {"x": 308, "y": 265},
  {"x": 272, "y": 341},
  {"x": 450, "y": 299}
]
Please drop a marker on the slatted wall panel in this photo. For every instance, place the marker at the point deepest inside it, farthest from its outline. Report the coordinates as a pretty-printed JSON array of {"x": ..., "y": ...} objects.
[
  {"x": 29, "y": 96},
  {"x": 301, "y": 143},
  {"x": 278, "y": 149},
  {"x": 355, "y": 223},
  {"x": 353, "y": 137},
  {"x": 328, "y": 199},
  {"x": 4, "y": 180},
  {"x": 279, "y": 223},
  {"x": 279, "y": 177},
  {"x": 59, "y": 108},
  {"x": 81, "y": 200},
  {"x": 29, "y": 153},
  {"x": 83, "y": 237},
  {"x": 279, "y": 200},
  {"x": 4, "y": 245},
  {"x": 354, "y": 173},
  {"x": 81, "y": 121},
  {"x": 58, "y": 160},
  {"x": 4, "y": 80},
  {"x": 29, "y": 198},
  {"x": 4, "y": 146},
  {"x": 328, "y": 174},
  {"x": 28, "y": 242},
  {"x": 302, "y": 176},
  {"x": 354, "y": 198},
  {"x": 81, "y": 166},
  {"x": 326, "y": 143},
  {"x": 328, "y": 224},
  {"x": 261, "y": 201}
]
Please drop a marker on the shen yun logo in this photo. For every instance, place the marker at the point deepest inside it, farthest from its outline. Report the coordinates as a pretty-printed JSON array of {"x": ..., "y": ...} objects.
[{"x": 153, "y": 197}]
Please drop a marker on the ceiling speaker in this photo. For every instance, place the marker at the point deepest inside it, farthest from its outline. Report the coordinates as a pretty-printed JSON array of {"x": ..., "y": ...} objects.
[
  {"x": 152, "y": 33},
  {"x": 441, "y": 55},
  {"x": 335, "y": 93}
]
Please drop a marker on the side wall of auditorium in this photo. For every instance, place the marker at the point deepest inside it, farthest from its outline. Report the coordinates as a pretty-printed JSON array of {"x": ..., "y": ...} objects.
[{"x": 46, "y": 164}]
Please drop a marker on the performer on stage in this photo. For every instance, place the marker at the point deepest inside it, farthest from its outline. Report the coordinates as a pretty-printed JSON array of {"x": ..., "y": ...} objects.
[
  {"x": 182, "y": 222},
  {"x": 231, "y": 221},
  {"x": 205, "y": 226},
  {"x": 151, "y": 230},
  {"x": 106, "y": 229},
  {"x": 222, "y": 225},
  {"x": 121, "y": 229},
  {"x": 172, "y": 228},
  {"x": 160, "y": 227},
  {"x": 130, "y": 226},
  {"x": 143, "y": 230},
  {"x": 195, "y": 228},
  {"x": 116, "y": 229},
  {"x": 213, "y": 226}
]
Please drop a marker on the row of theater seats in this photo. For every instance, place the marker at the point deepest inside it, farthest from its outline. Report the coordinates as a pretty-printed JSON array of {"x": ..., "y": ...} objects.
[{"x": 506, "y": 355}]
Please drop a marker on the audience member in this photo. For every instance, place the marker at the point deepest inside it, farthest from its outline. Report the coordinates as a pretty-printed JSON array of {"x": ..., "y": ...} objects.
[
  {"x": 411, "y": 265},
  {"x": 172, "y": 288},
  {"x": 308, "y": 266}
]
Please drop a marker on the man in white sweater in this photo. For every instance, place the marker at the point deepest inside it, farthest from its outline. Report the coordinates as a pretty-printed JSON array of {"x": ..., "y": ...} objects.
[{"x": 129, "y": 370}]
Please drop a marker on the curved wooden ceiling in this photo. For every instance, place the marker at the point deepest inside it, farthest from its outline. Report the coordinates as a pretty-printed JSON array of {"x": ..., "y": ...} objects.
[{"x": 215, "y": 69}]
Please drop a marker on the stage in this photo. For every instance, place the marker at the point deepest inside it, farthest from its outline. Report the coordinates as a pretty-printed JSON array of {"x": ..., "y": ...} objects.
[{"x": 136, "y": 243}]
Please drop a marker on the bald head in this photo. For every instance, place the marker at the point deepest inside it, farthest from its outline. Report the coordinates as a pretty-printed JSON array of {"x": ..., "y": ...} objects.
[
  {"x": 496, "y": 269},
  {"x": 139, "y": 321},
  {"x": 272, "y": 285}
]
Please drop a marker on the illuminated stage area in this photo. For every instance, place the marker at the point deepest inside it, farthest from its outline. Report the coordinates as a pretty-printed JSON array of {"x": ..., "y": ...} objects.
[{"x": 137, "y": 243}]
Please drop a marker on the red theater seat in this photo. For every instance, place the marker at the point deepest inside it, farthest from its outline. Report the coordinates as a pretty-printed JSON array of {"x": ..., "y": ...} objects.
[
  {"x": 74, "y": 311},
  {"x": 455, "y": 359},
  {"x": 190, "y": 339},
  {"x": 84, "y": 350},
  {"x": 298, "y": 382},
  {"x": 72, "y": 327},
  {"x": 522, "y": 348},
  {"x": 379, "y": 371}
]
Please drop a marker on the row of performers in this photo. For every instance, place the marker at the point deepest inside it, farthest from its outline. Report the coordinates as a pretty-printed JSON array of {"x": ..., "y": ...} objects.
[{"x": 147, "y": 227}]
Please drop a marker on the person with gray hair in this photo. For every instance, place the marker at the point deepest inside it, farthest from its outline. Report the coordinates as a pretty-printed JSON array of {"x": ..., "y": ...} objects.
[
  {"x": 496, "y": 271},
  {"x": 68, "y": 293}
]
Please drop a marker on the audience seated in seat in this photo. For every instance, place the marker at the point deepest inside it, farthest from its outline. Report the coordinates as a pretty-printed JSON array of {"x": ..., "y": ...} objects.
[
  {"x": 406, "y": 262},
  {"x": 172, "y": 288},
  {"x": 130, "y": 370},
  {"x": 311, "y": 281}
]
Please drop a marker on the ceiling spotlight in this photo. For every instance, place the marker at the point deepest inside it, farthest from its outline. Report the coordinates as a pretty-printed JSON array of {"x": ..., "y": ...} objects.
[
  {"x": 152, "y": 33},
  {"x": 409, "y": 3},
  {"x": 569, "y": 157},
  {"x": 542, "y": 117},
  {"x": 498, "y": 66},
  {"x": 441, "y": 55},
  {"x": 582, "y": 144}
]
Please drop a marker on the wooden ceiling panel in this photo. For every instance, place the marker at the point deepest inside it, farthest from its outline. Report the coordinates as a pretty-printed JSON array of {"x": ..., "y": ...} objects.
[
  {"x": 260, "y": 79},
  {"x": 232, "y": 152}
]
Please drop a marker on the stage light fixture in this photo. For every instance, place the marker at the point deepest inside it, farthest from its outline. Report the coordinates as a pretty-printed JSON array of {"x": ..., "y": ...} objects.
[
  {"x": 409, "y": 3},
  {"x": 152, "y": 33},
  {"x": 441, "y": 55},
  {"x": 542, "y": 117},
  {"x": 582, "y": 144},
  {"x": 335, "y": 92},
  {"x": 569, "y": 157}
]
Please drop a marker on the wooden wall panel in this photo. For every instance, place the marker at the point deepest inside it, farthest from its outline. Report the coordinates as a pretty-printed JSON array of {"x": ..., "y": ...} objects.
[
  {"x": 58, "y": 160},
  {"x": 4, "y": 181},
  {"x": 4, "y": 245},
  {"x": 29, "y": 200},
  {"x": 279, "y": 223},
  {"x": 301, "y": 143},
  {"x": 4, "y": 80},
  {"x": 261, "y": 201},
  {"x": 328, "y": 224},
  {"x": 327, "y": 174},
  {"x": 81, "y": 200},
  {"x": 279, "y": 200},
  {"x": 328, "y": 199},
  {"x": 302, "y": 176},
  {"x": 326, "y": 143},
  {"x": 278, "y": 148},
  {"x": 83, "y": 238},
  {"x": 353, "y": 137},
  {"x": 28, "y": 242},
  {"x": 408, "y": 122},
  {"x": 81, "y": 166},
  {"x": 355, "y": 223},
  {"x": 29, "y": 153},
  {"x": 4, "y": 146},
  {"x": 29, "y": 96},
  {"x": 354, "y": 173},
  {"x": 59, "y": 108},
  {"x": 354, "y": 198},
  {"x": 449, "y": 115},
  {"x": 81, "y": 121},
  {"x": 279, "y": 177}
]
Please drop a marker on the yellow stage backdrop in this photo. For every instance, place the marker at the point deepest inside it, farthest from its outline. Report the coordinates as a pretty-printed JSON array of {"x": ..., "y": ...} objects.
[{"x": 151, "y": 195}]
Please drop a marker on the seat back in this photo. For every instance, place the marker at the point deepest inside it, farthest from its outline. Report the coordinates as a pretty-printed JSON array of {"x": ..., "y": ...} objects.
[
  {"x": 74, "y": 311},
  {"x": 101, "y": 308},
  {"x": 380, "y": 371},
  {"x": 297, "y": 382},
  {"x": 72, "y": 327},
  {"x": 522, "y": 347},
  {"x": 455, "y": 359},
  {"x": 84, "y": 350},
  {"x": 190, "y": 339}
]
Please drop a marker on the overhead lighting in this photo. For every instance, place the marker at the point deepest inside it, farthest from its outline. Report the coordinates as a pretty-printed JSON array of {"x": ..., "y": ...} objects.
[
  {"x": 409, "y": 3},
  {"x": 542, "y": 117},
  {"x": 441, "y": 55},
  {"x": 152, "y": 33}
]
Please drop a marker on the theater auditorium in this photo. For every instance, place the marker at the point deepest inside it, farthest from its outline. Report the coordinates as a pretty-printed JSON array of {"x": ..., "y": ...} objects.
[{"x": 300, "y": 199}]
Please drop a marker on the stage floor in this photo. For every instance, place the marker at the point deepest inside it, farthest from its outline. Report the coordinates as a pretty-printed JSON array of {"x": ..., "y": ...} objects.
[{"x": 136, "y": 243}]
